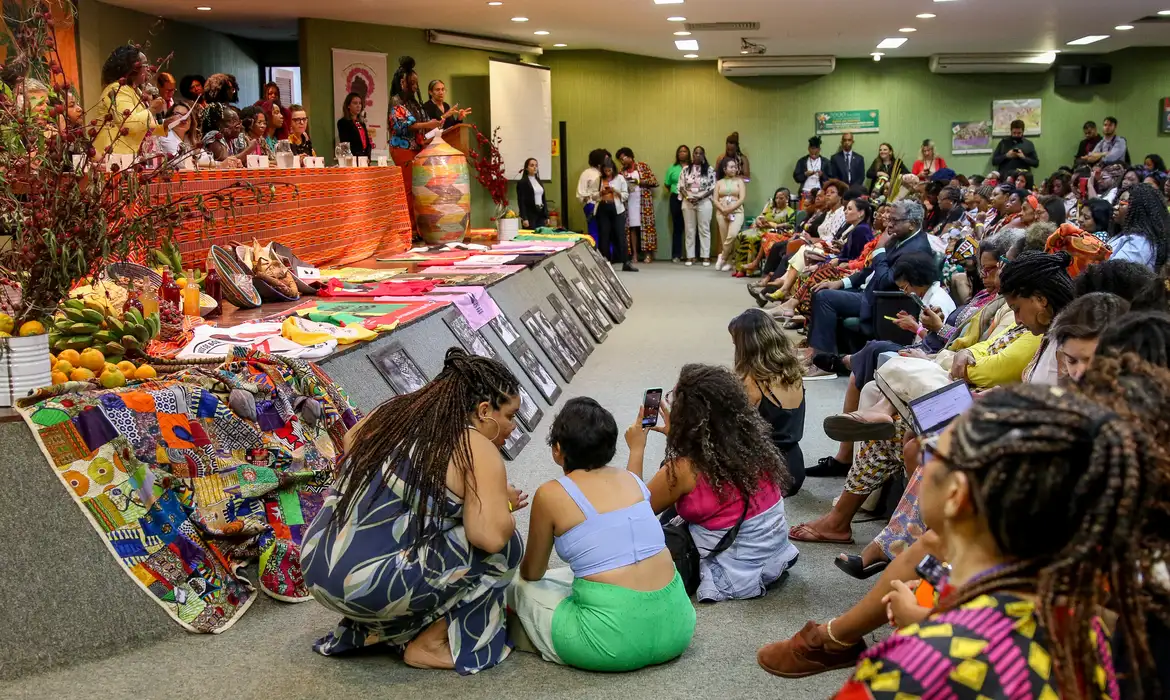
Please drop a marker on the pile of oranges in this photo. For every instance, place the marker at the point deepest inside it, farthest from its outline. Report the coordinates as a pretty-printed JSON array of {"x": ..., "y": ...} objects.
[{"x": 91, "y": 364}]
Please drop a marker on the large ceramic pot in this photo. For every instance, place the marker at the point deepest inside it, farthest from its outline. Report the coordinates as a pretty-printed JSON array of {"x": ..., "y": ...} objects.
[
  {"x": 441, "y": 181},
  {"x": 24, "y": 366}
]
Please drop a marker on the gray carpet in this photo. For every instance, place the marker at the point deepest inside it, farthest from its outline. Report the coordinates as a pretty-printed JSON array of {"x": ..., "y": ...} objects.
[{"x": 680, "y": 315}]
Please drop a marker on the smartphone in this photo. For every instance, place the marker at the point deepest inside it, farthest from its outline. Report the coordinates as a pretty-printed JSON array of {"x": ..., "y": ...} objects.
[
  {"x": 932, "y": 570},
  {"x": 650, "y": 403},
  {"x": 918, "y": 300}
]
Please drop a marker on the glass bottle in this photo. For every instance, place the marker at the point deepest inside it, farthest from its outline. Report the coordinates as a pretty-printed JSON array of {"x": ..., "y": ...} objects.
[
  {"x": 191, "y": 296},
  {"x": 169, "y": 292},
  {"x": 212, "y": 289},
  {"x": 149, "y": 300}
]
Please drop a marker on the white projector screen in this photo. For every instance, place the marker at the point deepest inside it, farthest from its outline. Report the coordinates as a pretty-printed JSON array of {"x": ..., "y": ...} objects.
[{"x": 521, "y": 100}]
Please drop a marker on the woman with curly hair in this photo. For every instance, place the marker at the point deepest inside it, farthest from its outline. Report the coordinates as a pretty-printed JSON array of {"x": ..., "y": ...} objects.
[
  {"x": 415, "y": 542},
  {"x": 128, "y": 120},
  {"x": 722, "y": 473},
  {"x": 1145, "y": 231}
]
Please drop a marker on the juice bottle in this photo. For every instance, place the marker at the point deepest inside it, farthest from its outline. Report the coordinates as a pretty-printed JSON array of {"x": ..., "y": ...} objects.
[
  {"x": 149, "y": 301},
  {"x": 169, "y": 292},
  {"x": 212, "y": 289},
  {"x": 191, "y": 296}
]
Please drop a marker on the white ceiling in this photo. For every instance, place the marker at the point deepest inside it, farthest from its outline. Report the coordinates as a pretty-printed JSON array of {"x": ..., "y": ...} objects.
[{"x": 845, "y": 28}]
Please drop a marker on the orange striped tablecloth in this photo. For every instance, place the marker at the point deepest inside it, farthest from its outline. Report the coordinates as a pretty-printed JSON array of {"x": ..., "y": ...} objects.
[{"x": 334, "y": 216}]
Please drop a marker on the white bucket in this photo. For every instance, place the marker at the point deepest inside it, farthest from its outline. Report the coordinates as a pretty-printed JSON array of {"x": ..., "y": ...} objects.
[
  {"x": 24, "y": 366},
  {"x": 508, "y": 228}
]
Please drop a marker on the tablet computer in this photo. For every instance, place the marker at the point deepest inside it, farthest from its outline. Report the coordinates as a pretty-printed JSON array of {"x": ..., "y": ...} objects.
[{"x": 932, "y": 412}]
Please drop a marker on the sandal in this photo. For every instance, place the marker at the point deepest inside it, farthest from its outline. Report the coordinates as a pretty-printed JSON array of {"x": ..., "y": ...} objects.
[
  {"x": 853, "y": 565},
  {"x": 804, "y": 533},
  {"x": 828, "y": 466}
]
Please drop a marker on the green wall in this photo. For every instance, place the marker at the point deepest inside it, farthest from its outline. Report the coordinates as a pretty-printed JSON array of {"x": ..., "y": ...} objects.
[
  {"x": 102, "y": 27},
  {"x": 612, "y": 100}
]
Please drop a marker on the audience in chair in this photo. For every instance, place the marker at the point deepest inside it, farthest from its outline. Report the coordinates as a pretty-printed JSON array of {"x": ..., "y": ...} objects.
[{"x": 621, "y": 604}]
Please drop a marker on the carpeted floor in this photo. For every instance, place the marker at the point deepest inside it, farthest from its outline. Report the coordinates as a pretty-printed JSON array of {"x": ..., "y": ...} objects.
[{"x": 680, "y": 315}]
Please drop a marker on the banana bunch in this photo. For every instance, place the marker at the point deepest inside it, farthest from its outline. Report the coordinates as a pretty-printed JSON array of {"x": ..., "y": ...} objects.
[
  {"x": 83, "y": 324},
  {"x": 168, "y": 256}
]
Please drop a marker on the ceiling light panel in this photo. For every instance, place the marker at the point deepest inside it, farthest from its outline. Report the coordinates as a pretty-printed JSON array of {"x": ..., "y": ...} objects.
[
  {"x": 676, "y": 19},
  {"x": 926, "y": 15},
  {"x": 892, "y": 42},
  {"x": 1086, "y": 40},
  {"x": 668, "y": 2},
  {"x": 687, "y": 44}
]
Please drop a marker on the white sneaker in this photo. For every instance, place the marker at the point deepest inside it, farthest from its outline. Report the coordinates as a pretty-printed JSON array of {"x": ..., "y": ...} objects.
[
  {"x": 688, "y": 263},
  {"x": 706, "y": 263},
  {"x": 719, "y": 263}
]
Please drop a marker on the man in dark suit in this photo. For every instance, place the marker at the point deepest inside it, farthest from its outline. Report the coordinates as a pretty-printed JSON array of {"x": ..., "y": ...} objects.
[
  {"x": 856, "y": 296},
  {"x": 847, "y": 166}
]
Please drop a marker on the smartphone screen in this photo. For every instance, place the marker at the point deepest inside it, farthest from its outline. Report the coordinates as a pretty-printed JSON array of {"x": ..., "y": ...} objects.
[
  {"x": 918, "y": 300},
  {"x": 650, "y": 404}
]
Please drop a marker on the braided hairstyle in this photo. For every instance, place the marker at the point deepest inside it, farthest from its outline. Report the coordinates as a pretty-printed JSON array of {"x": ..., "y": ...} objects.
[
  {"x": 1144, "y": 333},
  {"x": 1121, "y": 277},
  {"x": 412, "y": 100},
  {"x": 1065, "y": 486},
  {"x": 1147, "y": 216},
  {"x": 716, "y": 429},
  {"x": 429, "y": 430},
  {"x": 1034, "y": 273}
]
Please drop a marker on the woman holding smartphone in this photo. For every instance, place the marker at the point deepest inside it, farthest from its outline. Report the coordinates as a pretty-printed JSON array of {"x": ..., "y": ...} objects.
[{"x": 611, "y": 216}]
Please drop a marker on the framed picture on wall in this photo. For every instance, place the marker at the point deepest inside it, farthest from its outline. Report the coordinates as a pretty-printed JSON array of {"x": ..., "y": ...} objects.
[
  {"x": 515, "y": 443},
  {"x": 399, "y": 369},
  {"x": 561, "y": 322},
  {"x": 472, "y": 341},
  {"x": 552, "y": 346},
  {"x": 609, "y": 276},
  {"x": 530, "y": 412}
]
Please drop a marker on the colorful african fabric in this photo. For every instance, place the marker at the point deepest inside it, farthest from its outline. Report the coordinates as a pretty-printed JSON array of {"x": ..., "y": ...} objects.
[
  {"x": 370, "y": 568},
  {"x": 185, "y": 491},
  {"x": 989, "y": 648},
  {"x": 648, "y": 237}
]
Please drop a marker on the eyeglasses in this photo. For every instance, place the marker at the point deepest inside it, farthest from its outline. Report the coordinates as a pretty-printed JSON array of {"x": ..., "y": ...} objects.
[
  {"x": 930, "y": 453},
  {"x": 300, "y": 119}
]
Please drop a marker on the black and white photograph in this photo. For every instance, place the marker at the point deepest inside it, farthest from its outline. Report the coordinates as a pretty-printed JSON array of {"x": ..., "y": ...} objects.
[
  {"x": 562, "y": 340},
  {"x": 504, "y": 328},
  {"x": 588, "y": 299},
  {"x": 605, "y": 295},
  {"x": 472, "y": 341},
  {"x": 559, "y": 280},
  {"x": 399, "y": 369},
  {"x": 515, "y": 443},
  {"x": 565, "y": 326},
  {"x": 530, "y": 412},
  {"x": 552, "y": 346},
  {"x": 545, "y": 384},
  {"x": 584, "y": 312},
  {"x": 615, "y": 282}
]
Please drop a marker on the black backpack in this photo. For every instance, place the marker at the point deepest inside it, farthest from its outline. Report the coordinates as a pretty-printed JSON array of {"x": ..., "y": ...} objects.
[{"x": 683, "y": 549}]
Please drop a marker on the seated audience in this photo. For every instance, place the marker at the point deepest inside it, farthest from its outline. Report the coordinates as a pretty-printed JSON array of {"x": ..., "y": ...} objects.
[
  {"x": 620, "y": 605},
  {"x": 820, "y": 261},
  {"x": 182, "y": 132},
  {"x": 1144, "y": 233},
  {"x": 766, "y": 362},
  {"x": 722, "y": 471},
  {"x": 252, "y": 141},
  {"x": 423, "y": 470},
  {"x": 125, "y": 71},
  {"x": 730, "y": 194},
  {"x": 1094, "y": 217},
  {"x": 298, "y": 133}
]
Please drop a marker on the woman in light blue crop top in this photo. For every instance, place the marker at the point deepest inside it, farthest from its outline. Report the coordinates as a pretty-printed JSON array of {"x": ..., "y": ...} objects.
[{"x": 620, "y": 605}]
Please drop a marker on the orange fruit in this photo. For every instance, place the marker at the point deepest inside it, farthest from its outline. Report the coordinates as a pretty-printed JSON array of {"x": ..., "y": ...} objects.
[
  {"x": 60, "y": 377},
  {"x": 145, "y": 372},
  {"x": 63, "y": 366},
  {"x": 81, "y": 374},
  {"x": 93, "y": 360},
  {"x": 70, "y": 356},
  {"x": 112, "y": 379},
  {"x": 109, "y": 367},
  {"x": 52, "y": 360},
  {"x": 31, "y": 328},
  {"x": 182, "y": 282},
  {"x": 126, "y": 367}
]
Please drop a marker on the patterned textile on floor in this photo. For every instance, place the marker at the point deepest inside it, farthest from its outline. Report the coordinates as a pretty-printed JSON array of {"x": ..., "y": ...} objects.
[{"x": 185, "y": 490}]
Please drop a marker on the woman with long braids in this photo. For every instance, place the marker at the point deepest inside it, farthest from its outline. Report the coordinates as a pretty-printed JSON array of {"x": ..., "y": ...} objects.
[
  {"x": 721, "y": 471},
  {"x": 1145, "y": 230},
  {"x": 1039, "y": 498},
  {"x": 415, "y": 543}
]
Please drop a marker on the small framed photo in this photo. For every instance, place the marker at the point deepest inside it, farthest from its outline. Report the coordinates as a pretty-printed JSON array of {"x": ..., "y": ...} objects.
[
  {"x": 526, "y": 358},
  {"x": 605, "y": 296},
  {"x": 399, "y": 369},
  {"x": 515, "y": 443},
  {"x": 530, "y": 413},
  {"x": 610, "y": 277},
  {"x": 558, "y": 278},
  {"x": 557, "y": 353},
  {"x": 562, "y": 340},
  {"x": 561, "y": 322},
  {"x": 472, "y": 341},
  {"x": 588, "y": 299},
  {"x": 504, "y": 328}
]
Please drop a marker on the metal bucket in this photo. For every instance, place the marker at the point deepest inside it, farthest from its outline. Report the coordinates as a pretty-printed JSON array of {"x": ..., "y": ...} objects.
[{"x": 24, "y": 366}]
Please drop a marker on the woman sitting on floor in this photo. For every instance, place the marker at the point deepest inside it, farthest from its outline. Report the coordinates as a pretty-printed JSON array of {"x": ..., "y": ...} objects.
[
  {"x": 721, "y": 469},
  {"x": 773, "y": 377},
  {"x": 620, "y": 605},
  {"x": 1039, "y": 499},
  {"x": 415, "y": 542}
]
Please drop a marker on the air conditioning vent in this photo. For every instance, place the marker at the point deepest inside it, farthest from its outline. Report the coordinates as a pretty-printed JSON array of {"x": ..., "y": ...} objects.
[
  {"x": 723, "y": 26},
  {"x": 745, "y": 66},
  {"x": 992, "y": 63}
]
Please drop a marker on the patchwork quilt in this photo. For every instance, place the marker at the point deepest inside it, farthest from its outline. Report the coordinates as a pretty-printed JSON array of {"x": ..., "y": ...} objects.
[{"x": 189, "y": 478}]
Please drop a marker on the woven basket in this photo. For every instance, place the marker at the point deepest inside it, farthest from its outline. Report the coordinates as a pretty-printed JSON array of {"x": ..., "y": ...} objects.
[
  {"x": 164, "y": 365},
  {"x": 134, "y": 271},
  {"x": 235, "y": 282}
]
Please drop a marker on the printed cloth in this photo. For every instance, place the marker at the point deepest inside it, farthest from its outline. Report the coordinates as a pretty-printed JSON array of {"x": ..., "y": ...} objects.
[
  {"x": 185, "y": 490},
  {"x": 370, "y": 568},
  {"x": 648, "y": 234},
  {"x": 209, "y": 342},
  {"x": 905, "y": 526},
  {"x": 877, "y": 460}
]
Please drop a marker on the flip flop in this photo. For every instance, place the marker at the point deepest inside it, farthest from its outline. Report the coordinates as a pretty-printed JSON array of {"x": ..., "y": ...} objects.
[
  {"x": 804, "y": 533},
  {"x": 848, "y": 427},
  {"x": 852, "y": 565}
]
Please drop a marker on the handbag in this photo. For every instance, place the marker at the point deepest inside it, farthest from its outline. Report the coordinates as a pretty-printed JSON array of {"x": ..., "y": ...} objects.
[{"x": 685, "y": 552}]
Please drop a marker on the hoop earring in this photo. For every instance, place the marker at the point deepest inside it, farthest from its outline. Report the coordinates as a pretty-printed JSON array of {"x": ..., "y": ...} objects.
[
  {"x": 1044, "y": 318},
  {"x": 497, "y": 435}
]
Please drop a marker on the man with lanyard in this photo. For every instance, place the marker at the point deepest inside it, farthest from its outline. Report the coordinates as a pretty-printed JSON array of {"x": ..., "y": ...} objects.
[
  {"x": 855, "y": 296},
  {"x": 812, "y": 169}
]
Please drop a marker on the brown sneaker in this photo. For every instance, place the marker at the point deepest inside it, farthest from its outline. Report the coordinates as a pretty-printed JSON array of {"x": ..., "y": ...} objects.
[{"x": 805, "y": 655}]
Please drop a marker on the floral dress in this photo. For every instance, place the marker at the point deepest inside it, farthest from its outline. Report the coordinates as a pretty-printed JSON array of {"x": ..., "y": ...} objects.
[
  {"x": 402, "y": 117},
  {"x": 390, "y": 587}
]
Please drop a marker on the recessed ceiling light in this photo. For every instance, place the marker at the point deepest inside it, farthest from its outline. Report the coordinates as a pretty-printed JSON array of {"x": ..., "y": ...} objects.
[
  {"x": 1164, "y": 12},
  {"x": 690, "y": 55},
  {"x": 676, "y": 19},
  {"x": 519, "y": 19},
  {"x": 559, "y": 46},
  {"x": 668, "y": 2},
  {"x": 925, "y": 15},
  {"x": 892, "y": 42},
  {"x": 877, "y": 55},
  {"x": 495, "y": 3},
  {"x": 1124, "y": 27},
  {"x": 203, "y": 8},
  {"x": 541, "y": 33},
  {"x": 682, "y": 33},
  {"x": 687, "y": 44},
  {"x": 907, "y": 30},
  {"x": 1086, "y": 40}
]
